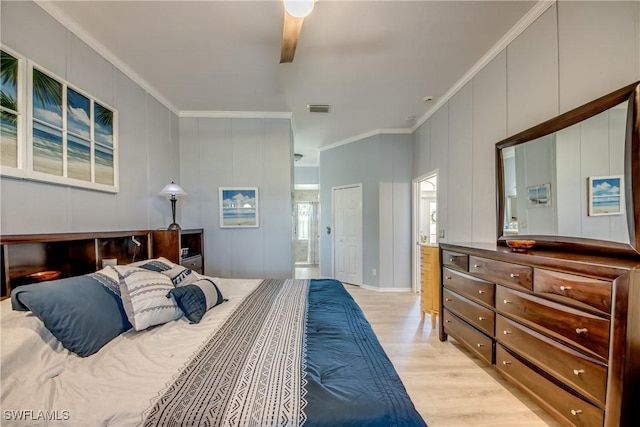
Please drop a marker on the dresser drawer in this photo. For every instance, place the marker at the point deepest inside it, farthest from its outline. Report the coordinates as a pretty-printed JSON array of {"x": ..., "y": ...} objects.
[
  {"x": 575, "y": 327},
  {"x": 455, "y": 260},
  {"x": 194, "y": 263},
  {"x": 502, "y": 272},
  {"x": 471, "y": 287},
  {"x": 584, "y": 375},
  {"x": 574, "y": 410},
  {"x": 592, "y": 292},
  {"x": 479, "y": 316},
  {"x": 475, "y": 340}
]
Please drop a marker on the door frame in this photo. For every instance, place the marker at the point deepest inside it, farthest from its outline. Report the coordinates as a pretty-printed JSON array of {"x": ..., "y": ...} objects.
[
  {"x": 333, "y": 228},
  {"x": 415, "y": 227}
]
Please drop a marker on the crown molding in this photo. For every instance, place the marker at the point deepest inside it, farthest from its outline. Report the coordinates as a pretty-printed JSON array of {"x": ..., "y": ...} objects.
[
  {"x": 535, "y": 12},
  {"x": 237, "y": 114},
  {"x": 396, "y": 131},
  {"x": 71, "y": 25}
]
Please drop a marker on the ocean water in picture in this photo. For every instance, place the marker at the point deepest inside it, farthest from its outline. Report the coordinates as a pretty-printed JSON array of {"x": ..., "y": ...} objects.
[{"x": 47, "y": 149}]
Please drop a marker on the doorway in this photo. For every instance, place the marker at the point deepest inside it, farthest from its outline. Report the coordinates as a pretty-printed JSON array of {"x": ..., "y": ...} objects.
[
  {"x": 305, "y": 229},
  {"x": 347, "y": 234},
  {"x": 425, "y": 218}
]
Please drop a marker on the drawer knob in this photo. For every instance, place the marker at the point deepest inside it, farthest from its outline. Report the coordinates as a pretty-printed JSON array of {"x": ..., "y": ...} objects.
[
  {"x": 506, "y": 332},
  {"x": 481, "y": 318},
  {"x": 479, "y": 345},
  {"x": 506, "y": 301},
  {"x": 476, "y": 265},
  {"x": 578, "y": 371},
  {"x": 450, "y": 259},
  {"x": 480, "y": 291},
  {"x": 565, "y": 288},
  {"x": 447, "y": 277},
  {"x": 514, "y": 275},
  {"x": 506, "y": 362},
  {"x": 447, "y": 321},
  {"x": 448, "y": 299},
  {"x": 576, "y": 411},
  {"x": 581, "y": 331}
]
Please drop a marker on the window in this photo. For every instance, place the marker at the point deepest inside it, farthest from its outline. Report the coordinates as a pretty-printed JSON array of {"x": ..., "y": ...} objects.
[
  {"x": 10, "y": 103},
  {"x": 302, "y": 215},
  {"x": 62, "y": 136}
]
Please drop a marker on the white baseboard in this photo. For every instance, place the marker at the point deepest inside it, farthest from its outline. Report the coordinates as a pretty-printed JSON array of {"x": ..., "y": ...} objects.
[{"x": 384, "y": 289}]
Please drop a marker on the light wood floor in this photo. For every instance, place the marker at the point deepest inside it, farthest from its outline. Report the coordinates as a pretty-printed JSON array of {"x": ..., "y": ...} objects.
[{"x": 448, "y": 386}]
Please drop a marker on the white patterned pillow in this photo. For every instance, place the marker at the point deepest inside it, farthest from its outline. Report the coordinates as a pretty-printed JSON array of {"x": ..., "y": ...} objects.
[{"x": 144, "y": 297}]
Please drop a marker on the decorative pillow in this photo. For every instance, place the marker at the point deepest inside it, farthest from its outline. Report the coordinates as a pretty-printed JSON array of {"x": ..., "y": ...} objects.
[
  {"x": 79, "y": 311},
  {"x": 108, "y": 276},
  {"x": 181, "y": 276},
  {"x": 178, "y": 274},
  {"x": 195, "y": 299},
  {"x": 159, "y": 264},
  {"x": 143, "y": 294}
]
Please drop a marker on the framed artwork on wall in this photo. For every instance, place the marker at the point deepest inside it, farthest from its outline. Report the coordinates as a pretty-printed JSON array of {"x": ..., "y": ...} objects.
[
  {"x": 238, "y": 207},
  {"x": 539, "y": 196},
  {"x": 605, "y": 195}
]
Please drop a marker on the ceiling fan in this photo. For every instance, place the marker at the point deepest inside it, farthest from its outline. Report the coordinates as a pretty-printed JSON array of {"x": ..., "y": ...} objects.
[{"x": 294, "y": 14}]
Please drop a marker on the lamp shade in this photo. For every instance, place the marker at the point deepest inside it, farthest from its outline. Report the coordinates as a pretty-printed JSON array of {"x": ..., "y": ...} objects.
[{"x": 172, "y": 189}]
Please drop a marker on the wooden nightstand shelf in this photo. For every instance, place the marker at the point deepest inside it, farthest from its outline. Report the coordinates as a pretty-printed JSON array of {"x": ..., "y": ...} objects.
[{"x": 169, "y": 244}]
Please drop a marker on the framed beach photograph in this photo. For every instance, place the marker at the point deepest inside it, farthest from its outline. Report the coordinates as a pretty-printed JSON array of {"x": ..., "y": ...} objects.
[
  {"x": 605, "y": 195},
  {"x": 238, "y": 207},
  {"x": 539, "y": 196}
]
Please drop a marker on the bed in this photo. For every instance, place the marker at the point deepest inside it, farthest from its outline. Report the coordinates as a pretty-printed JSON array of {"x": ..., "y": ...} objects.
[{"x": 241, "y": 353}]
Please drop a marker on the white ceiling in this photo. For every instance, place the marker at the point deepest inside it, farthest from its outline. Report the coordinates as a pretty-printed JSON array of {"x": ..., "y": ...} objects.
[{"x": 372, "y": 61}]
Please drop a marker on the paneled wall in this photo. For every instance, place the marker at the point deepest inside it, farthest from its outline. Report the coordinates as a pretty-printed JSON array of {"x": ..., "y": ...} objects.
[
  {"x": 381, "y": 163},
  {"x": 573, "y": 53},
  {"x": 148, "y": 138},
  {"x": 220, "y": 152}
]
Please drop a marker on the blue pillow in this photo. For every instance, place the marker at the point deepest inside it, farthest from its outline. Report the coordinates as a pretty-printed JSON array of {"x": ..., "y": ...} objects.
[
  {"x": 195, "y": 299},
  {"x": 79, "y": 311}
]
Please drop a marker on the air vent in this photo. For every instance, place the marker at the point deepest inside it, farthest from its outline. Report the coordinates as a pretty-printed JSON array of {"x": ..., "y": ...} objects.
[{"x": 316, "y": 108}]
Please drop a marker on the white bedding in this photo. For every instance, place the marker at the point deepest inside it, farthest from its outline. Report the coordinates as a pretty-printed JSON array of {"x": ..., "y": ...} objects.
[{"x": 43, "y": 384}]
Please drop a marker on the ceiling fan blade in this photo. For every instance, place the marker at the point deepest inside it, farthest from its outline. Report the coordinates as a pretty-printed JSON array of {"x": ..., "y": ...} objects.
[{"x": 290, "y": 34}]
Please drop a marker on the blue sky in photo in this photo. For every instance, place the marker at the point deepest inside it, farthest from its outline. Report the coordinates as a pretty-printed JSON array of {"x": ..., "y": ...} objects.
[
  {"x": 78, "y": 114},
  {"x": 238, "y": 198},
  {"x": 602, "y": 187}
]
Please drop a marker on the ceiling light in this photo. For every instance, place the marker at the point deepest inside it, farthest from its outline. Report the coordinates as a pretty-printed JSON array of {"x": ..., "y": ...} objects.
[{"x": 298, "y": 8}]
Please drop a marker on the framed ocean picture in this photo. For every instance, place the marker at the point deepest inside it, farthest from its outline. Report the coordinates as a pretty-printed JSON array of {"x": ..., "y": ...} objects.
[
  {"x": 605, "y": 195},
  {"x": 238, "y": 207},
  {"x": 539, "y": 196}
]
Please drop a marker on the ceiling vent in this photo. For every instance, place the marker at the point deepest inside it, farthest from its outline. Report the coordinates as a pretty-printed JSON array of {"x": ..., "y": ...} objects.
[{"x": 317, "y": 108}]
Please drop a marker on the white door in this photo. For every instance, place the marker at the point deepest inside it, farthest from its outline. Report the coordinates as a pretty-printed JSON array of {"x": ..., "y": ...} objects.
[{"x": 347, "y": 239}]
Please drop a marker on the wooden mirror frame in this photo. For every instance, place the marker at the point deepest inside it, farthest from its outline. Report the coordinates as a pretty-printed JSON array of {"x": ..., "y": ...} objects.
[{"x": 629, "y": 93}]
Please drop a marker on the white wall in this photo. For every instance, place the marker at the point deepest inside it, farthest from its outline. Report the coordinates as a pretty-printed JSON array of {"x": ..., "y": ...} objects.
[
  {"x": 218, "y": 152},
  {"x": 573, "y": 53},
  {"x": 148, "y": 143}
]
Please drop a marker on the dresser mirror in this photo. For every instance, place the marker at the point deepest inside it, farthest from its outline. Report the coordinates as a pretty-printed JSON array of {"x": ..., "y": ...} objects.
[{"x": 573, "y": 181}]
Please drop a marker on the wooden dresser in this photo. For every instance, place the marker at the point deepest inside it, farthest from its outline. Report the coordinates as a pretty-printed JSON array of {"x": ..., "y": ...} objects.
[
  {"x": 430, "y": 282},
  {"x": 564, "y": 327}
]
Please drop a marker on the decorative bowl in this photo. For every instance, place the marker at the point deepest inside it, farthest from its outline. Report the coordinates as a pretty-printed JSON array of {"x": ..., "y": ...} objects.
[
  {"x": 42, "y": 276},
  {"x": 518, "y": 244}
]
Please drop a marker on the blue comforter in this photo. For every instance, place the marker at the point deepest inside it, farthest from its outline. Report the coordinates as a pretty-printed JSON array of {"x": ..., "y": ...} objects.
[{"x": 351, "y": 381}]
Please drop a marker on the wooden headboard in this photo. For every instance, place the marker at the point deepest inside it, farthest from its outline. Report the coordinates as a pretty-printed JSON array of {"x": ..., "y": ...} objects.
[{"x": 33, "y": 257}]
